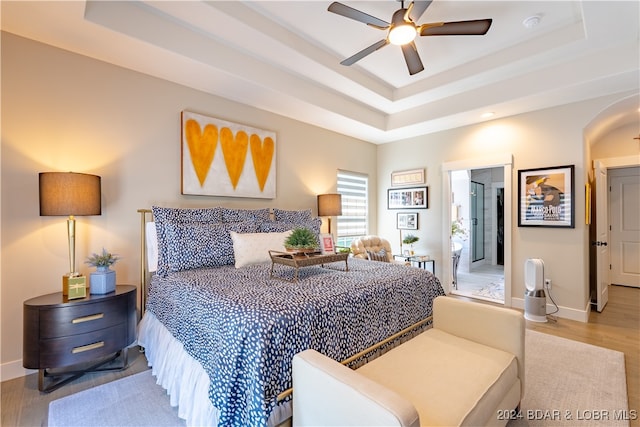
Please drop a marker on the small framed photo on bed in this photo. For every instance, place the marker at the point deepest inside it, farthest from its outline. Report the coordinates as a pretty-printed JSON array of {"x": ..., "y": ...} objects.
[
  {"x": 407, "y": 221},
  {"x": 326, "y": 244}
]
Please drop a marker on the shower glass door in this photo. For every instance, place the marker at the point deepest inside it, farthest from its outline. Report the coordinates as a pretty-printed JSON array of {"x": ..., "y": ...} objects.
[{"x": 477, "y": 221}]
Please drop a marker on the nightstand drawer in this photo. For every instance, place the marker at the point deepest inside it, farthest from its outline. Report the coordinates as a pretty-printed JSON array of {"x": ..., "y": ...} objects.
[
  {"x": 64, "y": 351},
  {"x": 82, "y": 318}
]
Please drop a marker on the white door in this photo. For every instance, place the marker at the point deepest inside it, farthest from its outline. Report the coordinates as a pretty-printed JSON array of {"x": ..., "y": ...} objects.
[
  {"x": 624, "y": 208},
  {"x": 602, "y": 236}
]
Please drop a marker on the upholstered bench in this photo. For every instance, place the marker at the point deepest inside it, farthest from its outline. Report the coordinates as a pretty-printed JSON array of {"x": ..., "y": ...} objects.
[{"x": 466, "y": 370}]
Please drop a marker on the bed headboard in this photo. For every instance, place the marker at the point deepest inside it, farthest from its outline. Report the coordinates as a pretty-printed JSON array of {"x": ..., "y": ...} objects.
[{"x": 148, "y": 253}]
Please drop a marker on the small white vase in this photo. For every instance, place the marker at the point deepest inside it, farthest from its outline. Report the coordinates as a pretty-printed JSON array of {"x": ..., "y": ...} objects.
[{"x": 102, "y": 281}]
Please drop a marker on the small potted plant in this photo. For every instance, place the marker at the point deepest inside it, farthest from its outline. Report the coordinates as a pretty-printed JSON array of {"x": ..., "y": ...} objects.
[
  {"x": 103, "y": 280},
  {"x": 410, "y": 239},
  {"x": 301, "y": 240}
]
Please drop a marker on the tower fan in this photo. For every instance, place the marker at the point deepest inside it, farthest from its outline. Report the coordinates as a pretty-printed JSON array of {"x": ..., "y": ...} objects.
[{"x": 535, "y": 299}]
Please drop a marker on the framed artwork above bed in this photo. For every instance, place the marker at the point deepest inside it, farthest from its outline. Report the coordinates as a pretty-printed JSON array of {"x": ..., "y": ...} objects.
[{"x": 221, "y": 158}]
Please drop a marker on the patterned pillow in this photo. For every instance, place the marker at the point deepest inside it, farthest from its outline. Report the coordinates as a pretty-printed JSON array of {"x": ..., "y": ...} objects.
[
  {"x": 163, "y": 216},
  {"x": 237, "y": 215},
  {"x": 197, "y": 244},
  {"x": 292, "y": 216},
  {"x": 378, "y": 256},
  {"x": 187, "y": 215},
  {"x": 312, "y": 224},
  {"x": 253, "y": 248}
]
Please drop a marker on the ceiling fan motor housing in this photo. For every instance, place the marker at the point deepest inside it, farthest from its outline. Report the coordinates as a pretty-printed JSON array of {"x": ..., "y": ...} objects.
[{"x": 402, "y": 30}]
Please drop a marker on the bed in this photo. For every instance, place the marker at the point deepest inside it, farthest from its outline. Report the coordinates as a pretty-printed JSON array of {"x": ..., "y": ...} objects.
[{"x": 220, "y": 333}]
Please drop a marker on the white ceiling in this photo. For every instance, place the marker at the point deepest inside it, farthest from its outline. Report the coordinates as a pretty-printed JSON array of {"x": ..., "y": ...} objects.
[{"x": 283, "y": 56}]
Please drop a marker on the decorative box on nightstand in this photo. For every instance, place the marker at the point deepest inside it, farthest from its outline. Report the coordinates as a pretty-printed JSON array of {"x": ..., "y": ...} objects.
[{"x": 63, "y": 333}]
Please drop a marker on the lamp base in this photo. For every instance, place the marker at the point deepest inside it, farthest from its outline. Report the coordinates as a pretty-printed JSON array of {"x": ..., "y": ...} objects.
[{"x": 74, "y": 286}]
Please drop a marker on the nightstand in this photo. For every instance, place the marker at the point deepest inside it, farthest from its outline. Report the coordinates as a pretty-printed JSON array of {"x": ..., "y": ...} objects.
[
  {"x": 421, "y": 260},
  {"x": 63, "y": 333}
]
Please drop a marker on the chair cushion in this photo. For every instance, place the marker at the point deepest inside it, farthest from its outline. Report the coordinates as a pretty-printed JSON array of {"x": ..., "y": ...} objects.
[
  {"x": 450, "y": 380},
  {"x": 381, "y": 255}
]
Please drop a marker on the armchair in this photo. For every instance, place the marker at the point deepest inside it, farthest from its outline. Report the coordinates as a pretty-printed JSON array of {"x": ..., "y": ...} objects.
[{"x": 372, "y": 247}]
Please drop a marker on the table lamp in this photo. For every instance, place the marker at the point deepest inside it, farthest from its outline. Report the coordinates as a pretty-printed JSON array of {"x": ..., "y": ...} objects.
[
  {"x": 69, "y": 193},
  {"x": 329, "y": 205}
]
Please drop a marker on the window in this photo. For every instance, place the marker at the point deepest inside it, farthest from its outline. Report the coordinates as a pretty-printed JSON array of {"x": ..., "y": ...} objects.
[{"x": 353, "y": 222}]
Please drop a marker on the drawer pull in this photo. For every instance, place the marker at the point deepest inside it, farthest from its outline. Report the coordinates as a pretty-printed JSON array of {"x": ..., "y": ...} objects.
[
  {"x": 88, "y": 318},
  {"x": 87, "y": 347}
]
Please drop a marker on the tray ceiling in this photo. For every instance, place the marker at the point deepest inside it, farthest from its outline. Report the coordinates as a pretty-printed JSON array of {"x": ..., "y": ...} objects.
[{"x": 283, "y": 56}]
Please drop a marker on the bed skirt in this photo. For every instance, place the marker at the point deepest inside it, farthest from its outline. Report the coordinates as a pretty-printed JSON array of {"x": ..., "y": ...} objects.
[{"x": 184, "y": 378}]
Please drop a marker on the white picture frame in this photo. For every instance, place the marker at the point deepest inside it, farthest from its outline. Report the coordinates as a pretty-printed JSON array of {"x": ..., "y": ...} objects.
[
  {"x": 407, "y": 177},
  {"x": 327, "y": 245}
]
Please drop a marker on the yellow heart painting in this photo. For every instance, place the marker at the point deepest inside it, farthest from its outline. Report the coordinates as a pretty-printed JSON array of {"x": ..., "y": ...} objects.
[{"x": 228, "y": 171}]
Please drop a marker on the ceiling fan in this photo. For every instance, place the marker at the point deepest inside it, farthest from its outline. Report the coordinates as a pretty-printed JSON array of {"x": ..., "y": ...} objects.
[{"x": 403, "y": 29}]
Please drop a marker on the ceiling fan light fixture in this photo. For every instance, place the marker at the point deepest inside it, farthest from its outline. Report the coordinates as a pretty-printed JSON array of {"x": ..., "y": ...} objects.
[{"x": 402, "y": 34}]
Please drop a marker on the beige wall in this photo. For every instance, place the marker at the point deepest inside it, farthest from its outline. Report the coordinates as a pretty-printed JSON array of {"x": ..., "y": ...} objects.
[
  {"x": 65, "y": 112},
  {"x": 551, "y": 137},
  {"x": 617, "y": 143}
]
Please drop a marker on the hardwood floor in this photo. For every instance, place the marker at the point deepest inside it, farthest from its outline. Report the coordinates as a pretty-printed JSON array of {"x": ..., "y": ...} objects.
[{"x": 617, "y": 328}]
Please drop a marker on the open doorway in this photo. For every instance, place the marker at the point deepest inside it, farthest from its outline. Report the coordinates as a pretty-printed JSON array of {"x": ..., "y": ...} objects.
[
  {"x": 614, "y": 234},
  {"x": 495, "y": 173},
  {"x": 478, "y": 233}
]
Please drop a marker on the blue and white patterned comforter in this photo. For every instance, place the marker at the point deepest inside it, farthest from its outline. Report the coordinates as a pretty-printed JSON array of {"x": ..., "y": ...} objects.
[{"x": 244, "y": 327}]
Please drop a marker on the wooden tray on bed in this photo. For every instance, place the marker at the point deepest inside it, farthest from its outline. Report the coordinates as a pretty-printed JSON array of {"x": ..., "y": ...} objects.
[{"x": 298, "y": 260}]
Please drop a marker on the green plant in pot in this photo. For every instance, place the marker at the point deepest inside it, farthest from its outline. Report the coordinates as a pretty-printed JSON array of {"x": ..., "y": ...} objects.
[
  {"x": 301, "y": 240},
  {"x": 103, "y": 280},
  {"x": 410, "y": 239}
]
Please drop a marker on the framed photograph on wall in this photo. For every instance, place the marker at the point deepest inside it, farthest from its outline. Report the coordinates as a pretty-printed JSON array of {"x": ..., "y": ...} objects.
[
  {"x": 546, "y": 197},
  {"x": 407, "y": 221},
  {"x": 403, "y": 198},
  {"x": 326, "y": 244}
]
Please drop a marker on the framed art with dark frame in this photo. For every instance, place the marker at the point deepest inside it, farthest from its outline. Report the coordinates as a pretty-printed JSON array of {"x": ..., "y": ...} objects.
[
  {"x": 403, "y": 198},
  {"x": 407, "y": 221},
  {"x": 546, "y": 197}
]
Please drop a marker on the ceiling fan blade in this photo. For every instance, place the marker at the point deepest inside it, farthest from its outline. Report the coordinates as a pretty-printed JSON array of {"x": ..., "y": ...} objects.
[
  {"x": 411, "y": 57},
  {"x": 478, "y": 27},
  {"x": 364, "y": 52},
  {"x": 418, "y": 9},
  {"x": 349, "y": 12}
]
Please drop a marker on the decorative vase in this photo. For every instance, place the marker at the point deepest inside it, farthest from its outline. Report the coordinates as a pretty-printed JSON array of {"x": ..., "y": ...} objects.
[{"x": 102, "y": 281}]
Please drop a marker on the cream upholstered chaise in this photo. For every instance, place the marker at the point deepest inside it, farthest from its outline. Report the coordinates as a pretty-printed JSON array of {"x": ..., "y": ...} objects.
[
  {"x": 372, "y": 248},
  {"x": 466, "y": 370}
]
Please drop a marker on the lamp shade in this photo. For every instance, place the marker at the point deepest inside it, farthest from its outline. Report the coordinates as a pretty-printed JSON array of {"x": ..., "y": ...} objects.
[
  {"x": 69, "y": 193},
  {"x": 329, "y": 204}
]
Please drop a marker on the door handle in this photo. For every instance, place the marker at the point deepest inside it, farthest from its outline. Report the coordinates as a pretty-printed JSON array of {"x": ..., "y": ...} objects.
[{"x": 598, "y": 243}]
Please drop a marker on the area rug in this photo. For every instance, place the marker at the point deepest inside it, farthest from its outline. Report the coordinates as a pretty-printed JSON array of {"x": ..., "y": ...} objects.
[
  {"x": 135, "y": 400},
  {"x": 567, "y": 384}
]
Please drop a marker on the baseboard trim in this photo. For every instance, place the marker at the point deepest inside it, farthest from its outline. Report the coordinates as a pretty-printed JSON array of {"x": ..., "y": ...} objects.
[
  {"x": 563, "y": 312},
  {"x": 11, "y": 370}
]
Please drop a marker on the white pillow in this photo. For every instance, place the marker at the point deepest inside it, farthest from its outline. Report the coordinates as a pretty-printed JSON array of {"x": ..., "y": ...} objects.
[
  {"x": 152, "y": 246},
  {"x": 253, "y": 248}
]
